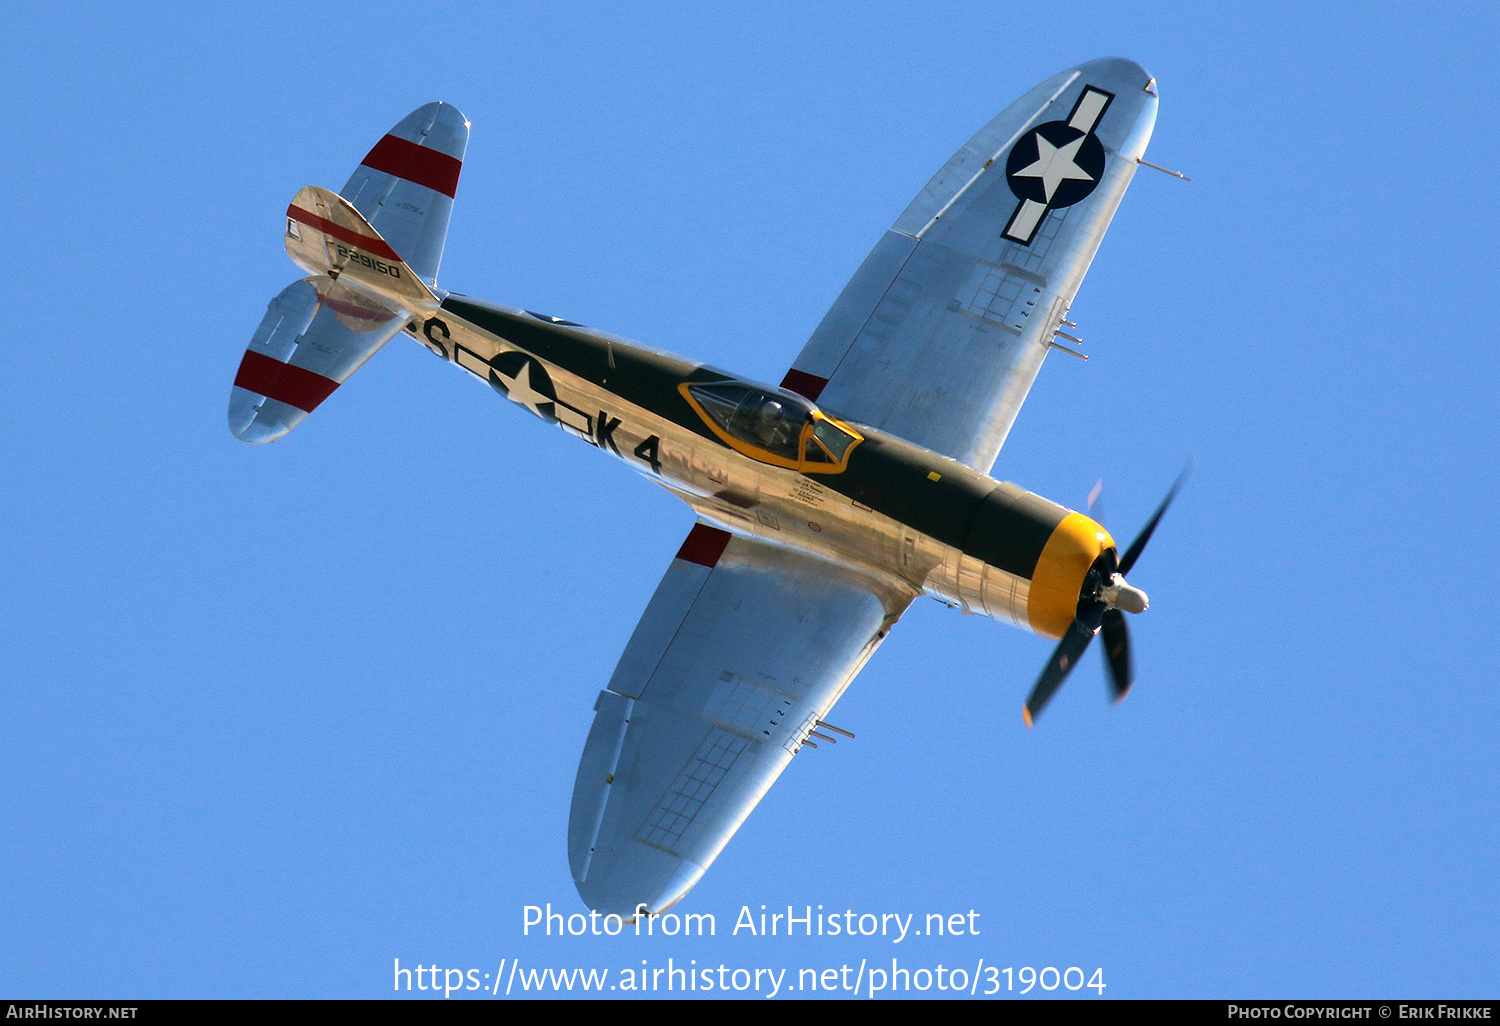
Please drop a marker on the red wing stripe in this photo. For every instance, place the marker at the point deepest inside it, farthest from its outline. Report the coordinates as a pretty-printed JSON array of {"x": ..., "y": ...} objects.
[
  {"x": 704, "y": 545},
  {"x": 283, "y": 382},
  {"x": 418, "y": 164},
  {"x": 353, "y": 238},
  {"x": 803, "y": 383}
]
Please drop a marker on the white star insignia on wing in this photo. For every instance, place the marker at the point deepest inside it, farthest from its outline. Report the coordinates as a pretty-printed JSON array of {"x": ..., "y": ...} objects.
[{"x": 1054, "y": 165}]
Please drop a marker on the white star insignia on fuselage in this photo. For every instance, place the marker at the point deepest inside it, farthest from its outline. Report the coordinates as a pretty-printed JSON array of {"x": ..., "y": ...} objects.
[
  {"x": 1055, "y": 165},
  {"x": 518, "y": 389}
]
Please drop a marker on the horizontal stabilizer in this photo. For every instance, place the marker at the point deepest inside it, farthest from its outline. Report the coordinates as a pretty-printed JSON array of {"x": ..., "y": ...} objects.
[
  {"x": 364, "y": 282},
  {"x": 315, "y": 334},
  {"x": 405, "y": 185},
  {"x": 326, "y": 235}
]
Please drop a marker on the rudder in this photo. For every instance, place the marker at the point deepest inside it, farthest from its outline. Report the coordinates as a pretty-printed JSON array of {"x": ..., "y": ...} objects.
[{"x": 392, "y": 220}]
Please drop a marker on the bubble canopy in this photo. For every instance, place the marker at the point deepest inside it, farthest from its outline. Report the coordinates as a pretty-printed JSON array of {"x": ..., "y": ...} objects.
[{"x": 773, "y": 426}]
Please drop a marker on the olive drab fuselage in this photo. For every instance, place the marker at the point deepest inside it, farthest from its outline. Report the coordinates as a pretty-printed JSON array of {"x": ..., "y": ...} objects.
[{"x": 766, "y": 462}]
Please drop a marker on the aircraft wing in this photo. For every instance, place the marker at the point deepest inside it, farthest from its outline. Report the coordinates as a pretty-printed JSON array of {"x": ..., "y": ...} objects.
[
  {"x": 741, "y": 651},
  {"x": 940, "y": 333}
]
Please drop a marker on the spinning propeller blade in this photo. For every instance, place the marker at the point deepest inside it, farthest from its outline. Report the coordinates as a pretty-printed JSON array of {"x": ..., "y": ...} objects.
[
  {"x": 1117, "y": 653},
  {"x": 1102, "y": 606},
  {"x": 1064, "y": 658},
  {"x": 1134, "y": 552}
]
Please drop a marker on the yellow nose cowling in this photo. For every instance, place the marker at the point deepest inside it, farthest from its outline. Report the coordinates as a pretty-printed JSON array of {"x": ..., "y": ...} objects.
[{"x": 1058, "y": 579}]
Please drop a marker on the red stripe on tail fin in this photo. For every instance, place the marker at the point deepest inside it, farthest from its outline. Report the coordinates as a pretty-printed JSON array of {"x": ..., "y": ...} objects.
[
  {"x": 418, "y": 164},
  {"x": 283, "y": 382}
]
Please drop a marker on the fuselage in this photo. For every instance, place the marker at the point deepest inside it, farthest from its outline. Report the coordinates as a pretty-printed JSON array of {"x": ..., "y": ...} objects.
[{"x": 766, "y": 462}]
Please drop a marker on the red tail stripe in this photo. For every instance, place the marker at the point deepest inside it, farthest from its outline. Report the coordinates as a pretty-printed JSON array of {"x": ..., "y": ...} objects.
[
  {"x": 418, "y": 164},
  {"x": 704, "y": 545},
  {"x": 364, "y": 313},
  {"x": 283, "y": 382},
  {"x": 353, "y": 238}
]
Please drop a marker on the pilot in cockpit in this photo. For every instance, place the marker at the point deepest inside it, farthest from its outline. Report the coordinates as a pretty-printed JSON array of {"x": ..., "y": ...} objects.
[{"x": 773, "y": 428}]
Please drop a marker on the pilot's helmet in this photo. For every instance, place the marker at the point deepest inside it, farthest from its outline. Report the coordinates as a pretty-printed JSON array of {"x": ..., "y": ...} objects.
[{"x": 771, "y": 411}]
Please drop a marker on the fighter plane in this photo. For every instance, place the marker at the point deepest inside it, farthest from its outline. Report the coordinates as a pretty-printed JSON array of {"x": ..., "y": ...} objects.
[{"x": 825, "y": 505}]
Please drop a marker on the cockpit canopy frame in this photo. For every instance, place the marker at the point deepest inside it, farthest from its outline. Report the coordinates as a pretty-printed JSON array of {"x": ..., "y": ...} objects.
[{"x": 773, "y": 426}]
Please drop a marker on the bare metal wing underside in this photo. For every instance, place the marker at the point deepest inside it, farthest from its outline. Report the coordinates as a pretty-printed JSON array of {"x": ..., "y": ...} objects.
[
  {"x": 937, "y": 339},
  {"x": 940, "y": 333},
  {"x": 743, "y": 648}
]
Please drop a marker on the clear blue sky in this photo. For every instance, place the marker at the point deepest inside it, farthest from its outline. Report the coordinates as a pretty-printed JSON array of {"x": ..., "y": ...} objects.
[{"x": 271, "y": 717}]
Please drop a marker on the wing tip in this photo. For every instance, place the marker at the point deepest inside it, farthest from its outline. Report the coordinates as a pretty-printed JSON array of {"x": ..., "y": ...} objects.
[
  {"x": 1122, "y": 65},
  {"x": 627, "y": 875}
]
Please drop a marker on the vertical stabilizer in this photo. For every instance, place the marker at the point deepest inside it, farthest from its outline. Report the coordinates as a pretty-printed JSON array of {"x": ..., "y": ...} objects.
[{"x": 374, "y": 252}]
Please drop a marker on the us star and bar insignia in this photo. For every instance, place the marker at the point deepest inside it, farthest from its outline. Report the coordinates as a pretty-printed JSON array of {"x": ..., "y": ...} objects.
[{"x": 1056, "y": 164}]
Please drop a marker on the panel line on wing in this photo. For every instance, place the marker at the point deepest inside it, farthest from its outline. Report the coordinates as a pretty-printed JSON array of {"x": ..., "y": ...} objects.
[
  {"x": 671, "y": 609},
  {"x": 865, "y": 324},
  {"x": 712, "y": 761},
  {"x": 996, "y": 155},
  {"x": 746, "y": 706}
]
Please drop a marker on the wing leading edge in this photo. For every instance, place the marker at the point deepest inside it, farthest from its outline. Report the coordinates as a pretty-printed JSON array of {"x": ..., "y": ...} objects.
[
  {"x": 742, "y": 649},
  {"x": 940, "y": 333}
]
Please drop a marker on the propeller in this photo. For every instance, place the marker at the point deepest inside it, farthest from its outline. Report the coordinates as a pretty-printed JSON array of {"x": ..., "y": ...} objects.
[{"x": 1105, "y": 599}]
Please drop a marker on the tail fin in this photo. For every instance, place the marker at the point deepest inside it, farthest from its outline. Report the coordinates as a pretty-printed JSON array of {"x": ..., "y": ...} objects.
[
  {"x": 326, "y": 235},
  {"x": 319, "y": 331}
]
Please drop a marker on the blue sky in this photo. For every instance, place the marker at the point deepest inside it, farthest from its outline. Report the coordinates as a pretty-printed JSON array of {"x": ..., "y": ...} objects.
[{"x": 272, "y": 717}]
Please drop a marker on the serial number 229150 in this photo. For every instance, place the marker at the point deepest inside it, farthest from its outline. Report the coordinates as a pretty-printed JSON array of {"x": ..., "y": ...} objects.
[{"x": 373, "y": 264}]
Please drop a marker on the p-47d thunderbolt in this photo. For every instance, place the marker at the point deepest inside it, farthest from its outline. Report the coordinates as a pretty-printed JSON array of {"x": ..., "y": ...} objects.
[{"x": 825, "y": 505}]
